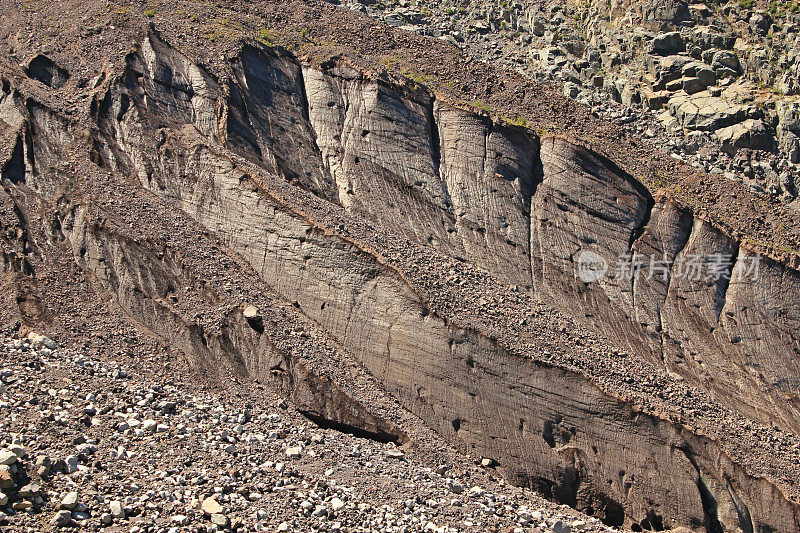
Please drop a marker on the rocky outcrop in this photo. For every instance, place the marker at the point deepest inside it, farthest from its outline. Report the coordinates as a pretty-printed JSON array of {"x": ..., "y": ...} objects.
[
  {"x": 675, "y": 286},
  {"x": 175, "y": 151},
  {"x": 157, "y": 289},
  {"x": 640, "y": 54},
  {"x": 422, "y": 167},
  {"x": 702, "y": 111},
  {"x": 258, "y": 128},
  {"x": 751, "y": 134}
]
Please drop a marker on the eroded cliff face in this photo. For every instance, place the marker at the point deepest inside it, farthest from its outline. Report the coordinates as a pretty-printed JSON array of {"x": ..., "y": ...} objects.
[
  {"x": 483, "y": 192},
  {"x": 731, "y": 332},
  {"x": 495, "y": 196},
  {"x": 421, "y": 166}
]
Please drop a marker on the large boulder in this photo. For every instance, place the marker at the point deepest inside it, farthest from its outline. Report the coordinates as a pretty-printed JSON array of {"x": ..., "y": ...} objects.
[
  {"x": 699, "y": 70},
  {"x": 661, "y": 15},
  {"x": 760, "y": 23},
  {"x": 750, "y": 133},
  {"x": 725, "y": 60},
  {"x": 692, "y": 85},
  {"x": 704, "y": 112},
  {"x": 666, "y": 69},
  {"x": 655, "y": 100},
  {"x": 667, "y": 43}
]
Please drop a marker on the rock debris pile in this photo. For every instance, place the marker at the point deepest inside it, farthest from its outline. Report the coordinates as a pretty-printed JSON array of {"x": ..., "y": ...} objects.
[{"x": 90, "y": 444}]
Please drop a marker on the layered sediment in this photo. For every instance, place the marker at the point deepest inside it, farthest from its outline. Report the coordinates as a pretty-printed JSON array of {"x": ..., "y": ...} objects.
[{"x": 399, "y": 248}]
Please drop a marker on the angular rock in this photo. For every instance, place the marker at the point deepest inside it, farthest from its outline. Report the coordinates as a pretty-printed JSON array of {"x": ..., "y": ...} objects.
[
  {"x": 69, "y": 501},
  {"x": 709, "y": 38},
  {"x": 663, "y": 14},
  {"x": 256, "y": 321},
  {"x": 704, "y": 112},
  {"x": 7, "y": 457},
  {"x": 116, "y": 510},
  {"x": 319, "y": 511},
  {"x": 294, "y": 452},
  {"x": 61, "y": 519},
  {"x": 395, "y": 454},
  {"x": 751, "y": 133},
  {"x": 667, "y": 43},
  {"x": 571, "y": 89},
  {"x": 219, "y": 520},
  {"x": 211, "y": 506},
  {"x": 43, "y": 465},
  {"x": 71, "y": 464},
  {"x": 23, "y": 505},
  {"x": 6, "y": 479},
  {"x": 666, "y": 69},
  {"x": 30, "y": 491},
  {"x": 455, "y": 486},
  {"x": 700, "y": 71},
  {"x": 760, "y": 23},
  {"x": 336, "y": 504},
  {"x": 18, "y": 450},
  {"x": 692, "y": 85},
  {"x": 656, "y": 100},
  {"x": 726, "y": 59}
]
